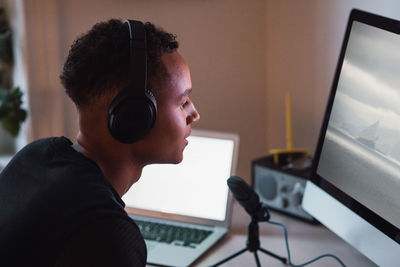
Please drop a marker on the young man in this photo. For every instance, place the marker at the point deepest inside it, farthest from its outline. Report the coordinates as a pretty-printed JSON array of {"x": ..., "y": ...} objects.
[{"x": 60, "y": 203}]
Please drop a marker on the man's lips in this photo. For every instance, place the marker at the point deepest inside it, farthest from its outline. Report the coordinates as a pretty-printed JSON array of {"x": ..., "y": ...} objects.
[{"x": 186, "y": 141}]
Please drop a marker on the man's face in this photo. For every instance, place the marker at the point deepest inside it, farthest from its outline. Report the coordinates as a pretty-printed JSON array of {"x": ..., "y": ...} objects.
[{"x": 175, "y": 113}]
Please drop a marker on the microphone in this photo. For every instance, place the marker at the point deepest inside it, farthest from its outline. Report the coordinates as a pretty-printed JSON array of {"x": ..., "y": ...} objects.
[{"x": 247, "y": 198}]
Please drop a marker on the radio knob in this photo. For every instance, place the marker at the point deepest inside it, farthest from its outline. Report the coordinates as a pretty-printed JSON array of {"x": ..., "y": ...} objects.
[
  {"x": 284, "y": 189},
  {"x": 285, "y": 202},
  {"x": 296, "y": 198},
  {"x": 297, "y": 195}
]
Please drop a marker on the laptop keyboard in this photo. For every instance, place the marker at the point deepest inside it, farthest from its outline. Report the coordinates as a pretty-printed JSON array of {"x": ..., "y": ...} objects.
[{"x": 166, "y": 233}]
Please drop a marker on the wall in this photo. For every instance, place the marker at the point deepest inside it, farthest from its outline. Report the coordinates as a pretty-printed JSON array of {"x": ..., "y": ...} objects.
[
  {"x": 303, "y": 41},
  {"x": 244, "y": 56},
  {"x": 222, "y": 40}
]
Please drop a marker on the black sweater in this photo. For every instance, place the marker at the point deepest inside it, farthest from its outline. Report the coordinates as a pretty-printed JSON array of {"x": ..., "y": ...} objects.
[{"x": 57, "y": 209}]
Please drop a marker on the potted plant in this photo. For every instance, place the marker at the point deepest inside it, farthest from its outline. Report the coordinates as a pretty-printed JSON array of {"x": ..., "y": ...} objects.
[{"x": 11, "y": 112}]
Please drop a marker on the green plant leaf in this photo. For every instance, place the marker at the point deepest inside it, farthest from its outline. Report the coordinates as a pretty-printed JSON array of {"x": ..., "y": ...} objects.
[{"x": 11, "y": 113}]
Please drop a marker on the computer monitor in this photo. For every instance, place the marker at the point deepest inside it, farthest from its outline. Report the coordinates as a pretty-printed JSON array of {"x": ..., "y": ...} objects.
[{"x": 355, "y": 185}]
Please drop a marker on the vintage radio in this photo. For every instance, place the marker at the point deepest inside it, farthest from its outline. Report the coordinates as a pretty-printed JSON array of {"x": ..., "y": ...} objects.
[{"x": 281, "y": 185}]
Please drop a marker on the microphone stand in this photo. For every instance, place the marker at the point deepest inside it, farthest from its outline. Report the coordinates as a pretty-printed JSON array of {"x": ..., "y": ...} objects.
[{"x": 253, "y": 240}]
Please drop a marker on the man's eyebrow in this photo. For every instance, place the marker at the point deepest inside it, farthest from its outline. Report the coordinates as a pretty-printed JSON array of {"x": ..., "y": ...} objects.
[{"x": 185, "y": 93}]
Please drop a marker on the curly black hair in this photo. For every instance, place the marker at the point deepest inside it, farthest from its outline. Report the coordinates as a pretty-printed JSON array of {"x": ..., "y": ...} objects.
[{"x": 98, "y": 61}]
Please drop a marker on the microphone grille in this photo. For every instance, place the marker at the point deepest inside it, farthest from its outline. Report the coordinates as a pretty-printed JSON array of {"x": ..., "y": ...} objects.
[{"x": 240, "y": 189}]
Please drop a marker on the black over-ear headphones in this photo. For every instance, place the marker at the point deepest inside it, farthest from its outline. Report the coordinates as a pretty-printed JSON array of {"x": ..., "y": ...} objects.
[{"x": 133, "y": 111}]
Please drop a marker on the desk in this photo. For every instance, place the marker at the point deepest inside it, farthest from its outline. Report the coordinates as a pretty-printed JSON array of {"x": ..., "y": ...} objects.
[{"x": 306, "y": 241}]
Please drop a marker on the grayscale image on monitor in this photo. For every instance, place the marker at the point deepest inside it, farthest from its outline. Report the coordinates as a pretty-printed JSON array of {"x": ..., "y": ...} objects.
[{"x": 355, "y": 188}]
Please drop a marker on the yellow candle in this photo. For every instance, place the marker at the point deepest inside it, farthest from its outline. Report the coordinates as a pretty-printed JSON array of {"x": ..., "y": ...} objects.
[{"x": 289, "y": 138}]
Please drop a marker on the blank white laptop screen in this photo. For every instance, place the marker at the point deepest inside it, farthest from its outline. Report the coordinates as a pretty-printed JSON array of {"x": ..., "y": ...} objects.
[{"x": 195, "y": 187}]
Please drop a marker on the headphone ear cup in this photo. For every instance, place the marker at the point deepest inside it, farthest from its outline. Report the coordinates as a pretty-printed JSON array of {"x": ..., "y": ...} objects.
[{"x": 130, "y": 118}]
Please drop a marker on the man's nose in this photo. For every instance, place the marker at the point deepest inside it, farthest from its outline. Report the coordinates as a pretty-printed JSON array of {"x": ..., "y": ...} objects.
[{"x": 194, "y": 115}]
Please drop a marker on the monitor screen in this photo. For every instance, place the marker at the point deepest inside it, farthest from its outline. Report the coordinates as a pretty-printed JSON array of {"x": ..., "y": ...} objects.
[
  {"x": 357, "y": 161},
  {"x": 361, "y": 150}
]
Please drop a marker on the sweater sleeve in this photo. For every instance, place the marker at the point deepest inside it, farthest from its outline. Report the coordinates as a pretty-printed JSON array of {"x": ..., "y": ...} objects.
[{"x": 107, "y": 242}]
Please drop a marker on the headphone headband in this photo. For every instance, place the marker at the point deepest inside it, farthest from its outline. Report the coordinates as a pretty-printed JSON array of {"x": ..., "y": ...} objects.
[
  {"x": 138, "y": 55},
  {"x": 132, "y": 113}
]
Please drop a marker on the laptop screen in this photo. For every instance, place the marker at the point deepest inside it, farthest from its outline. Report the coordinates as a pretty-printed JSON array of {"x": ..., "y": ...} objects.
[{"x": 196, "y": 187}]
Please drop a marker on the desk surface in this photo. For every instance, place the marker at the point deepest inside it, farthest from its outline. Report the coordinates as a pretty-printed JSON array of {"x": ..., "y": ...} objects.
[{"x": 306, "y": 241}]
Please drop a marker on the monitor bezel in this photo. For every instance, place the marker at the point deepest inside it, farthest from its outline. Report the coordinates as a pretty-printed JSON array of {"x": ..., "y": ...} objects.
[{"x": 371, "y": 217}]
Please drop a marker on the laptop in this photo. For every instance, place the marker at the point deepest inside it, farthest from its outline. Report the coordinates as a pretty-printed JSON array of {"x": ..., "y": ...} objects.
[{"x": 184, "y": 209}]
